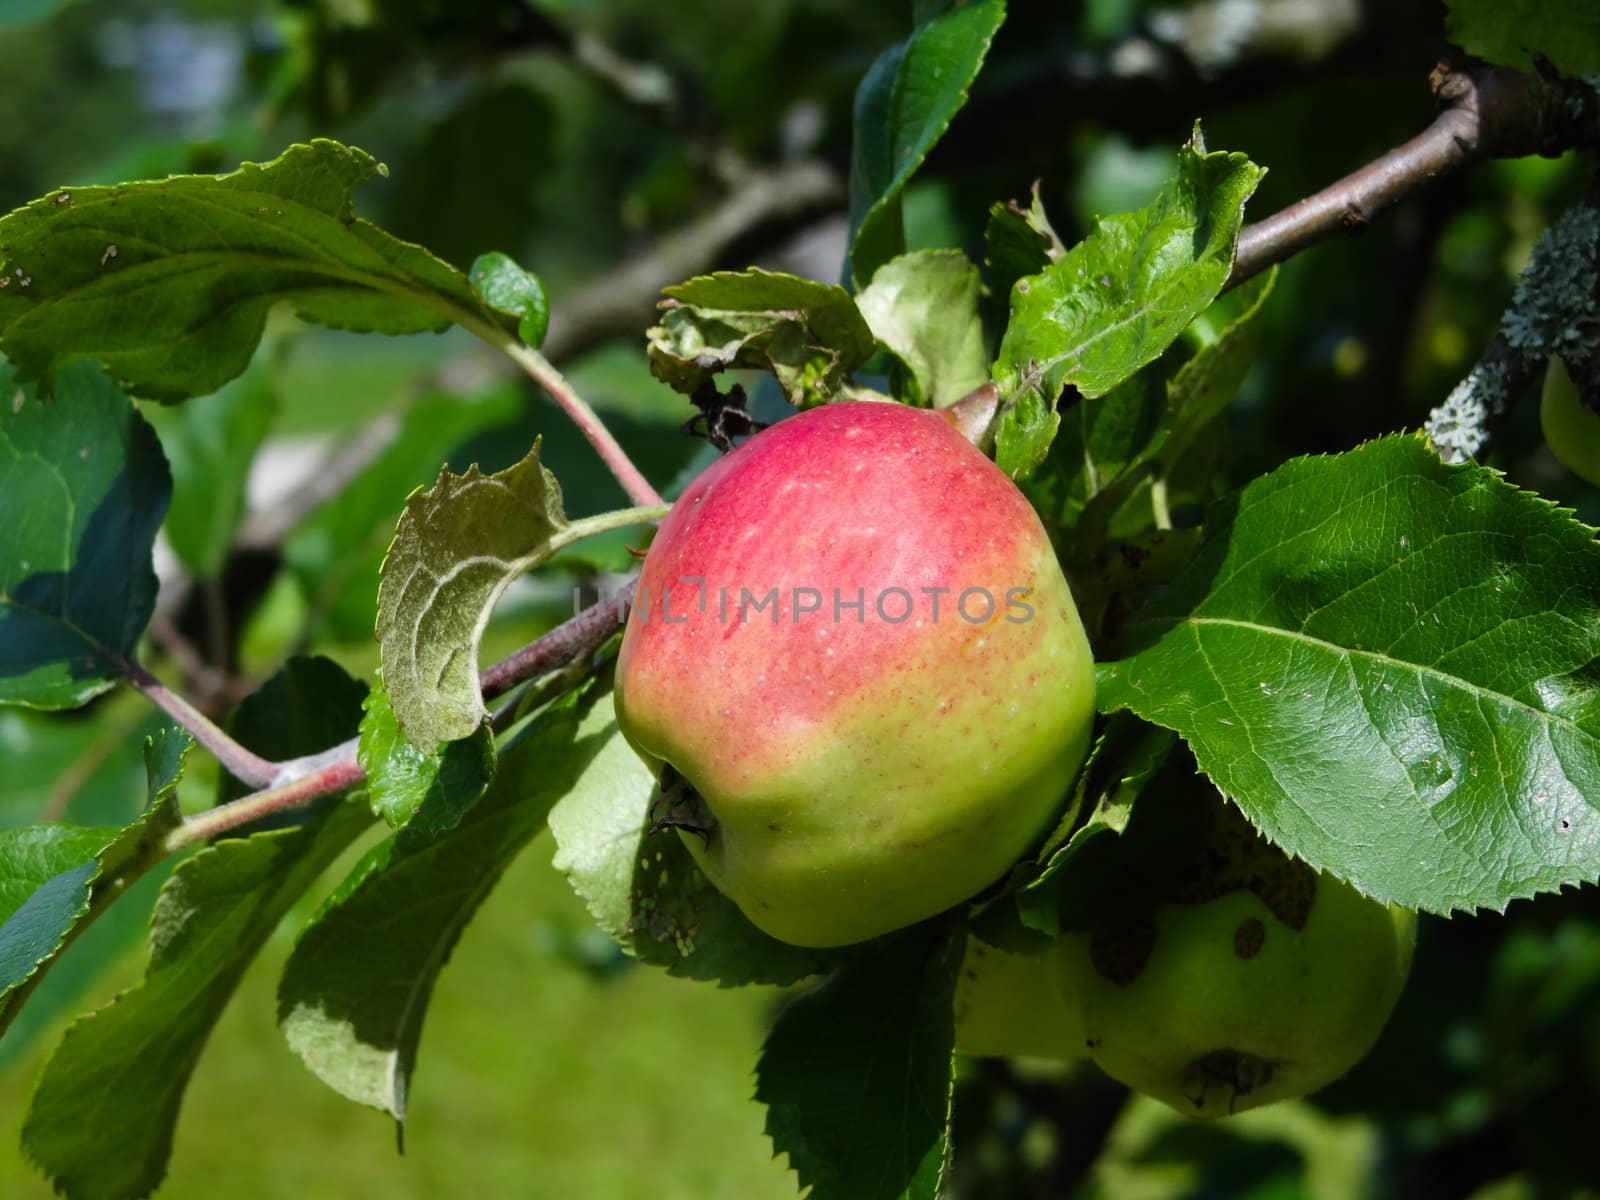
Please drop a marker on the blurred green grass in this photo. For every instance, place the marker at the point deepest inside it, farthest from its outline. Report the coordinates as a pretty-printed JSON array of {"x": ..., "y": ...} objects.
[{"x": 536, "y": 1077}]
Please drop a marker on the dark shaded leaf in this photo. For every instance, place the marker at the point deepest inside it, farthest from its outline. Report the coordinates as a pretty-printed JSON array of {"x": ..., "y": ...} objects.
[
  {"x": 904, "y": 104},
  {"x": 85, "y": 474},
  {"x": 857, "y": 1075}
]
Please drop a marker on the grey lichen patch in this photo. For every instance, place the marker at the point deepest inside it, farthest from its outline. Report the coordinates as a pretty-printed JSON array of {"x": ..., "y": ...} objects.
[{"x": 1555, "y": 310}]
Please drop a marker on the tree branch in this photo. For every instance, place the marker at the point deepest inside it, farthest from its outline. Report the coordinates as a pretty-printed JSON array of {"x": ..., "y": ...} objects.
[{"x": 1489, "y": 112}]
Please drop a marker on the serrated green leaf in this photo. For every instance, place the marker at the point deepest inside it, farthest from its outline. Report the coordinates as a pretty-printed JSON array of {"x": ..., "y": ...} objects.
[
  {"x": 1511, "y": 32},
  {"x": 52, "y": 877},
  {"x": 45, "y": 872},
  {"x": 1390, "y": 664},
  {"x": 924, "y": 307},
  {"x": 646, "y": 891},
  {"x": 210, "y": 444},
  {"x": 84, "y": 487},
  {"x": 168, "y": 283},
  {"x": 355, "y": 991},
  {"x": 1116, "y": 300},
  {"x": 904, "y": 104},
  {"x": 102, "y": 1117},
  {"x": 456, "y": 549},
  {"x": 809, "y": 335},
  {"x": 1109, "y": 446},
  {"x": 425, "y": 792},
  {"x": 337, "y": 551},
  {"x": 308, "y": 705},
  {"x": 507, "y": 288},
  {"x": 857, "y": 1075}
]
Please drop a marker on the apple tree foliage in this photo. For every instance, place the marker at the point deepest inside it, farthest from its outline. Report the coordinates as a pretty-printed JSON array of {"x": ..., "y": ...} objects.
[{"x": 1390, "y": 662}]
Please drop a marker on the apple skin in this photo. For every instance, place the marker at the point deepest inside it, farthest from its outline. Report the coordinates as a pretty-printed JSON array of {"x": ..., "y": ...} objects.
[
  {"x": 1011, "y": 1005},
  {"x": 859, "y": 775},
  {"x": 1217, "y": 1022}
]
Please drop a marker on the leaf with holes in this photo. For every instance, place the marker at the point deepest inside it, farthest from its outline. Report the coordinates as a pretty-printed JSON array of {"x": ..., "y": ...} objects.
[{"x": 809, "y": 335}]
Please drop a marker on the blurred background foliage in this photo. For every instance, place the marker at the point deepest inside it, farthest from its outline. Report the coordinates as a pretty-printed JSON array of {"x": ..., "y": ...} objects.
[{"x": 599, "y": 141}]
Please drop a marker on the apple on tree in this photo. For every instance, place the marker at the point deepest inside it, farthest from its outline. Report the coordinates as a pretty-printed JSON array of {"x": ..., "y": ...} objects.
[
  {"x": 1228, "y": 975},
  {"x": 858, "y": 670}
]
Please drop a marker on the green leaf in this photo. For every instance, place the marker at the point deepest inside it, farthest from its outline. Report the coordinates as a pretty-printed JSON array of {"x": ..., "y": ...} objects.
[
  {"x": 1125, "y": 757},
  {"x": 1205, "y": 385},
  {"x": 102, "y": 1117},
  {"x": 76, "y": 581},
  {"x": 337, "y": 551},
  {"x": 906, "y": 101},
  {"x": 808, "y": 334},
  {"x": 308, "y": 705},
  {"x": 210, "y": 444},
  {"x": 52, "y": 876},
  {"x": 455, "y": 551},
  {"x": 1109, "y": 446},
  {"x": 45, "y": 872},
  {"x": 355, "y": 991},
  {"x": 1018, "y": 242},
  {"x": 507, "y": 288},
  {"x": 1116, "y": 300},
  {"x": 646, "y": 891},
  {"x": 924, "y": 307},
  {"x": 168, "y": 283},
  {"x": 425, "y": 792},
  {"x": 1393, "y": 667},
  {"x": 857, "y": 1075},
  {"x": 1511, "y": 32}
]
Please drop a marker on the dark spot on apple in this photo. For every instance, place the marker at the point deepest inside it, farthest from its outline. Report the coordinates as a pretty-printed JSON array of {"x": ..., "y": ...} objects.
[
  {"x": 774, "y": 826},
  {"x": 1235, "y": 1070},
  {"x": 1119, "y": 952},
  {"x": 1249, "y": 937}
]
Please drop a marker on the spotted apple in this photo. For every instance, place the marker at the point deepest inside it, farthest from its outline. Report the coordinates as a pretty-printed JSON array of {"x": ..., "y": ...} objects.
[
  {"x": 1245, "y": 978},
  {"x": 858, "y": 670}
]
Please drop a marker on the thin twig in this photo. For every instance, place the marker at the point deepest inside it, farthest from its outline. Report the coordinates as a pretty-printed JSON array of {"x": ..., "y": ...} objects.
[
  {"x": 576, "y": 638},
  {"x": 242, "y": 764},
  {"x": 346, "y": 772},
  {"x": 1490, "y": 112}
]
